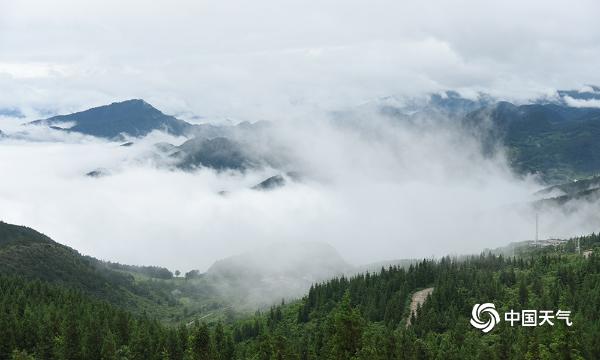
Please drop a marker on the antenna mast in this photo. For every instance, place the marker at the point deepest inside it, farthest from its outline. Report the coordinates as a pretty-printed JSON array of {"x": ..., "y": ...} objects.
[{"x": 536, "y": 229}]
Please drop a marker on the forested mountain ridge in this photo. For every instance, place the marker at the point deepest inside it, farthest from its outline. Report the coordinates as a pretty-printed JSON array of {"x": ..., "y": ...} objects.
[
  {"x": 361, "y": 317},
  {"x": 27, "y": 253},
  {"x": 234, "y": 286},
  {"x": 558, "y": 142},
  {"x": 554, "y": 137}
]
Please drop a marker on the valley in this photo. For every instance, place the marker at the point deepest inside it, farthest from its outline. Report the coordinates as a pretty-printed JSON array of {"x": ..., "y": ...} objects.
[
  {"x": 298, "y": 297},
  {"x": 64, "y": 315},
  {"x": 297, "y": 180}
]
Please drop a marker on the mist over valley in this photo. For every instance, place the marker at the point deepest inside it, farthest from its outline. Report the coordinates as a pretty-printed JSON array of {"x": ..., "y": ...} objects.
[{"x": 299, "y": 180}]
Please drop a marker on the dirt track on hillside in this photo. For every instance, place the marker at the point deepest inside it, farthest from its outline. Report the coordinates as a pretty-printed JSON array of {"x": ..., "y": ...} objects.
[{"x": 418, "y": 298}]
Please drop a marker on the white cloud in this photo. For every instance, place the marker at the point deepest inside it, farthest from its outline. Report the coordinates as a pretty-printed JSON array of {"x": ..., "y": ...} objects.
[
  {"x": 587, "y": 89},
  {"x": 582, "y": 103},
  {"x": 32, "y": 70},
  {"x": 264, "y": 59},
  {"x": 374, "y": 189}
]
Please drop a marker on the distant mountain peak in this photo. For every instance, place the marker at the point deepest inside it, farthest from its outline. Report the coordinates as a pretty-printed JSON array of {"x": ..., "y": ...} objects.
[
  {"x": 133, "y": 102},
  {"x": 139, "y": 101},
  {"x": 269, "y": 273},
  {"x": 134, "y": 117},
  {"x": 316, "y": 259}
]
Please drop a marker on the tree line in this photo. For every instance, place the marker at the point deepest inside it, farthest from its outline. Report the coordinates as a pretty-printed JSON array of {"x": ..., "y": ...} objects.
[{"x": 358, "y": 317}]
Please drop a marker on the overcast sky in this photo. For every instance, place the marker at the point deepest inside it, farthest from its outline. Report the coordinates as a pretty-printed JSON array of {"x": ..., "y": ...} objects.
[{"x": 263, "y": 59}]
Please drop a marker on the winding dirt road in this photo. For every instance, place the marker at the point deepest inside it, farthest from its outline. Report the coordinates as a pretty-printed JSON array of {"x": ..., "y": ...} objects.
[{"x": 418, "y": 298}]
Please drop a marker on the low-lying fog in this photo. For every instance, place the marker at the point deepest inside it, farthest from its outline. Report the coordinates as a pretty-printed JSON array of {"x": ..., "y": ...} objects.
[{"x": 375, "y": 190}]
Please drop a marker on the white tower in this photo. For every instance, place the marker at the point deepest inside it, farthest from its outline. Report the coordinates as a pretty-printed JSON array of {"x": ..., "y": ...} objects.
[{"x": 536, "y": 229}]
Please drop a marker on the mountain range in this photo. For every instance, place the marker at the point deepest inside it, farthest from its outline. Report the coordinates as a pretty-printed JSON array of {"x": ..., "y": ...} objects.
[
  {"x": 556, "y": 138},
  {"x": 548, "y": 137}
]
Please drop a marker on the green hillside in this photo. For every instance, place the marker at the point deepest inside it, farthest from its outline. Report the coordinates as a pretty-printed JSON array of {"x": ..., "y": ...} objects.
[
  {"x": 29, "y": 254},
  {"x": 558, "y": 142},
  {"x": 362, "y": 317},
  {"x": 365, "y": 317}
]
